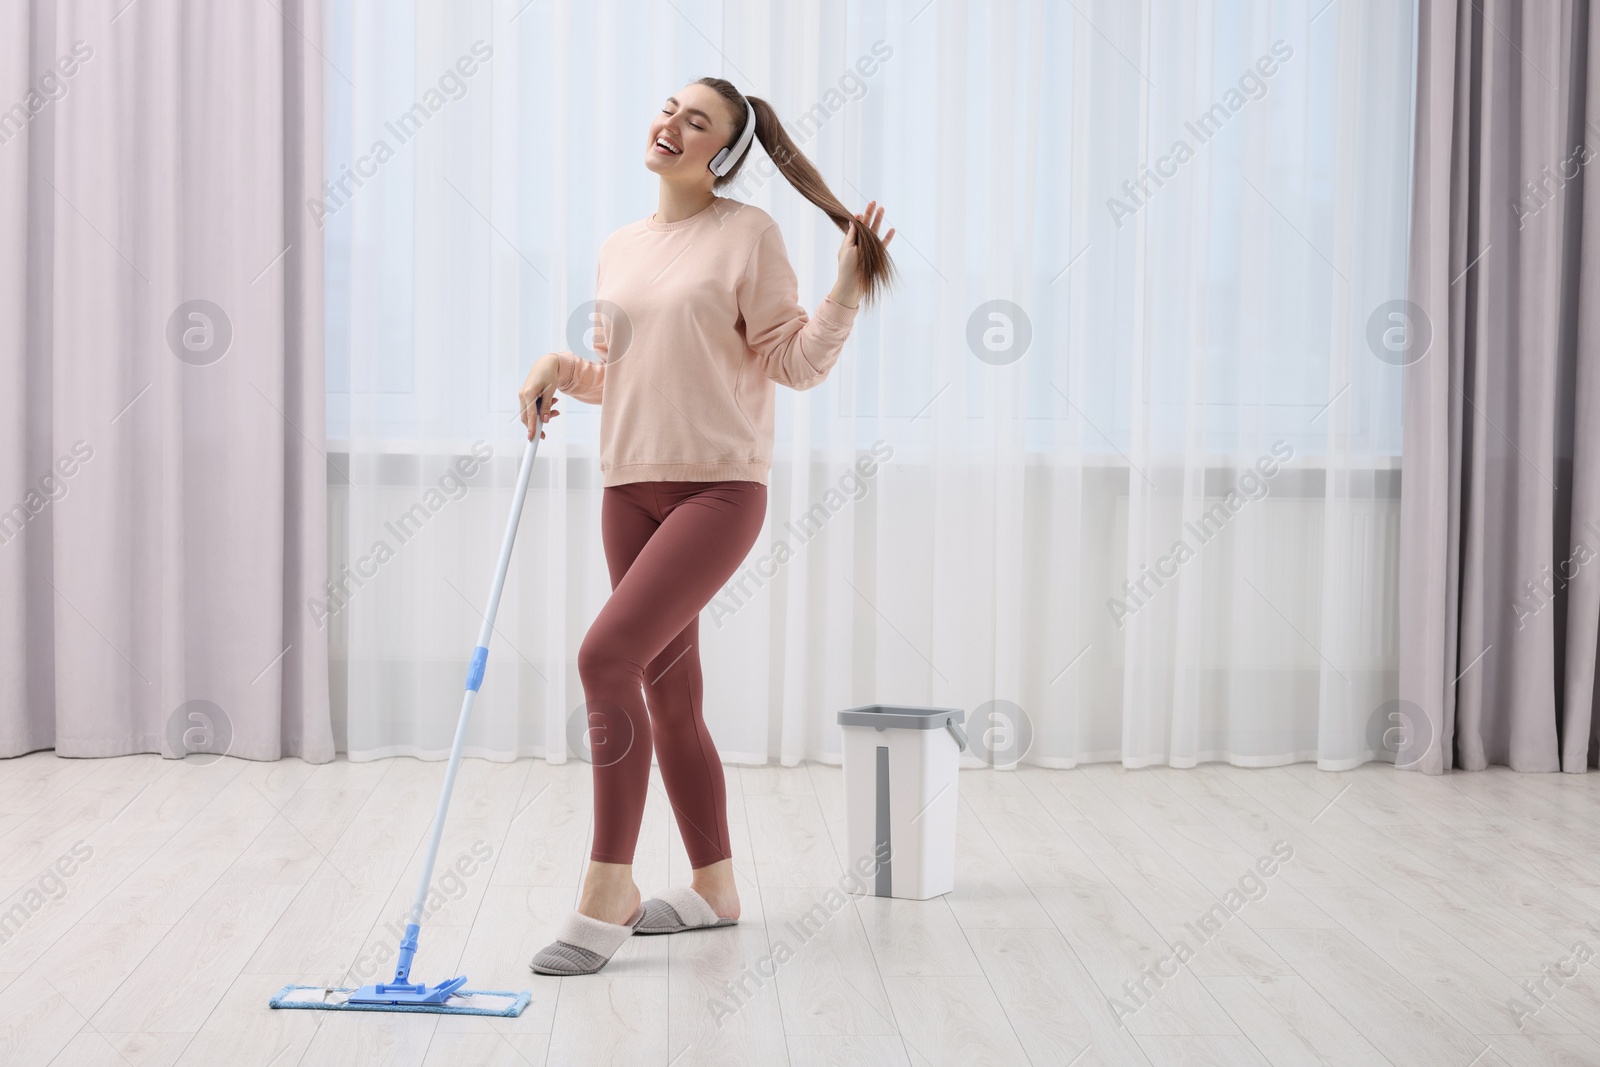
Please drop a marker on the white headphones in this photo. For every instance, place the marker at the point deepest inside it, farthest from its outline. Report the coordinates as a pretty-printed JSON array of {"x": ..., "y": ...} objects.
[{"x": 726, "y": 158}]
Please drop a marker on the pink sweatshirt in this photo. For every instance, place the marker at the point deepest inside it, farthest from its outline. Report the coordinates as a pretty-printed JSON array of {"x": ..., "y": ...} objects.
[{"x": 706, "y": 324}]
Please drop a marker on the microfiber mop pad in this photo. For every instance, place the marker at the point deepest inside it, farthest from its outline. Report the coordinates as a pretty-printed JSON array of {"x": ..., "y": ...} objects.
[{"x": 463, "y": 1002}]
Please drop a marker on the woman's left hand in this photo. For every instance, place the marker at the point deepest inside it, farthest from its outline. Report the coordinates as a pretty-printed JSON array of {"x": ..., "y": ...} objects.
[{"x": 849, "y": 284}]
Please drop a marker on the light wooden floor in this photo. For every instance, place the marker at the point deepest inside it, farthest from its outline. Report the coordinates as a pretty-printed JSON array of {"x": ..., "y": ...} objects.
[{"x": 1402, "y": 930}]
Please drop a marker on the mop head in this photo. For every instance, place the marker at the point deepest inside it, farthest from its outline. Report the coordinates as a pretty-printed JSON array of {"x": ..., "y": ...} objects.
[{"x": 462, "y": 1002}]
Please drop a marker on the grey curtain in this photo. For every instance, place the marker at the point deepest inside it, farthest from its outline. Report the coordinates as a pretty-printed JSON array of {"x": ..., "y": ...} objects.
[
  {"x": 162, "y": 482},
  {"x": 1500, "y": 542}
]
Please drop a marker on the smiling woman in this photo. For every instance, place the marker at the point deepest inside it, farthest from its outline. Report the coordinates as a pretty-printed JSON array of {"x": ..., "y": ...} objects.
[{"x": 701, "y": 321}]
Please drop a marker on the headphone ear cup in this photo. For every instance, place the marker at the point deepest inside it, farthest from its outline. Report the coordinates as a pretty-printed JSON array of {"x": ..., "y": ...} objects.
[{"x": 723, "y": 161}]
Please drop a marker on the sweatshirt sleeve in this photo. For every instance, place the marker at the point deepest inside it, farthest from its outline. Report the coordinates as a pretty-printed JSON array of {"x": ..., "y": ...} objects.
[
  {"x": 585, "y": 379},
  {"x": 793, "y": 350}
]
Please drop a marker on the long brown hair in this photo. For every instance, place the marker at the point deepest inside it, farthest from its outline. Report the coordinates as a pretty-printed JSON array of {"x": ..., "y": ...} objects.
[{"x": 877, "y": 270}]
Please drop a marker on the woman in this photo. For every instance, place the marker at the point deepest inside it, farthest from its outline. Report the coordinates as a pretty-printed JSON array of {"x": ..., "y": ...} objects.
[{"x": 699, "y": 322}]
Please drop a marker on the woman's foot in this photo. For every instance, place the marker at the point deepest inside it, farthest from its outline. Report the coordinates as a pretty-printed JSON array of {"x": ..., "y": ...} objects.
[
  {"x": 609, "y": 893},
  {"x": 715, "y": 884},
  {"x": 607, "y": 915}
]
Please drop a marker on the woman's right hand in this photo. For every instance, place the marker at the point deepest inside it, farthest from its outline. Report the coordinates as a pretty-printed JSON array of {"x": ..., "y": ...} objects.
[{"x": 540, "y": 385}]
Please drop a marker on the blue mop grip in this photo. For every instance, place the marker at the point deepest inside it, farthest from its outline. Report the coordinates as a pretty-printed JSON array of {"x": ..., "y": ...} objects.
[
  {"x": 480, "y": 659},
  {"x": 408, "y": 950}
]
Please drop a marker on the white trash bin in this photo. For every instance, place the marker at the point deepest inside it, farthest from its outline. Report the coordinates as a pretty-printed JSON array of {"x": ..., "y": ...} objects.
[{"x": 900, "y": 778}]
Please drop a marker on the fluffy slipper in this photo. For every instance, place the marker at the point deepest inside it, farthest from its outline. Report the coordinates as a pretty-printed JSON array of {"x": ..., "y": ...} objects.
[
  {"x": 678, "y": 909},
  {"x": 583, "y": 944}
]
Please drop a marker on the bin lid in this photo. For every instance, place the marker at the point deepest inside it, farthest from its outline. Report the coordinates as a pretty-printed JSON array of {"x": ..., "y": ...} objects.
[{"x": 880, "y": 716}]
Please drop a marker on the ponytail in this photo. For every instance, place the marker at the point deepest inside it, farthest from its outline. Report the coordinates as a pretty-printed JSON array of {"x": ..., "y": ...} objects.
[{"x": 877, "y": 270}]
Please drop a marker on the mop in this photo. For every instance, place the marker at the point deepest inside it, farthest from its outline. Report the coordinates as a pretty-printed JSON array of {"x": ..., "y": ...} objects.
[{"x": 446, "y": 998}]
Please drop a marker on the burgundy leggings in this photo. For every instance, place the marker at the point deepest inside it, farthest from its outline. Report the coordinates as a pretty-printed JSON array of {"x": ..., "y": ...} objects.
[{"x": 670, "y": 546}]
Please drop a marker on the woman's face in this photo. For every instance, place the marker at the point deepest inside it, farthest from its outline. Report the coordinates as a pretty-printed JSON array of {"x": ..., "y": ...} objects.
[{"x": 694, "y": 122}]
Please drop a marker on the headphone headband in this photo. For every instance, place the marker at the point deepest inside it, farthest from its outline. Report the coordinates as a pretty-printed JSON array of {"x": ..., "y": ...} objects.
[{"x": 725, "y": 159}]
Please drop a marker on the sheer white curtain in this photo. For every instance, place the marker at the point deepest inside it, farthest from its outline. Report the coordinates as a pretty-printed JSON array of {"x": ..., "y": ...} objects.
[{"x": 1105, "y": 346}]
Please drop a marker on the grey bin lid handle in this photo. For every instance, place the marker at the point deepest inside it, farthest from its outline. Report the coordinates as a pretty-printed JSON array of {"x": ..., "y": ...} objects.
[{"x": 960, "y": 735}]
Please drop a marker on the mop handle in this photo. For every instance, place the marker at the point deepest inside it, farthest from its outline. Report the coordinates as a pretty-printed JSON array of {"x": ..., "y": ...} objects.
[{"x": 480, "y": 657}]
